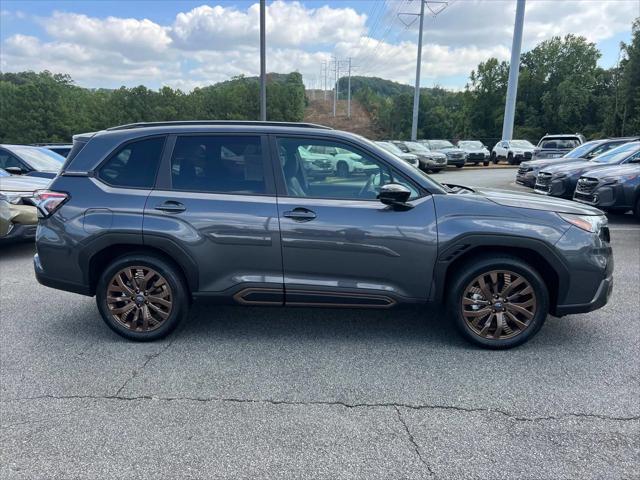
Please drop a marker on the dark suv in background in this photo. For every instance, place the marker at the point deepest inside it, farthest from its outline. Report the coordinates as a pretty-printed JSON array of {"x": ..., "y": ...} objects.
[{"x": 148, "y": 216}]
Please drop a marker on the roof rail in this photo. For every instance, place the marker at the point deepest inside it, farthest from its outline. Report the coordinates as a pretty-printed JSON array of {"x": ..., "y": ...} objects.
[{"x": 217, "y": 122}]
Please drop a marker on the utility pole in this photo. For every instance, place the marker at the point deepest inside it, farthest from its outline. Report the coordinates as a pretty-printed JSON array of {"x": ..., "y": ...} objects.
[
  {"x": 349, "y": 92},
  {"x": 416, "y": 92},
  {"x": 326, "y": 73},
  {"x": 263, "y": 63},
  {"x": 514, "y": 70}
]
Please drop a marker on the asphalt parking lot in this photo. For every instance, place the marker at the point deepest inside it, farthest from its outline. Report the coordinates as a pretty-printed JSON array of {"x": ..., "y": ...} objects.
[{"x": 313, "y": 393}]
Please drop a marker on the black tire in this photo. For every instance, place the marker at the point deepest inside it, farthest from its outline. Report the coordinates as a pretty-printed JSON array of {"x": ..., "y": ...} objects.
[
  {"x": 466, "y": 274},
  {"x": 494, "y": 158},
  {"x": 485, "y": 163},
  {"x": 179, "y": 295},
  {"x": 510, "y": 159},
  {"x": 459, "y": 166},
  {"x": 342, "y": 169}
]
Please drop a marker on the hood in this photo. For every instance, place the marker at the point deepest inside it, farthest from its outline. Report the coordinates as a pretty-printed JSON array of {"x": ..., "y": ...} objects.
[
  {"x": 572, "y": 167},
  {"x": 537, "y": 164},
  {"x": 509, "y": 198},
  {"x": 408, "y": 156},
  {"x": 23, "y": 184},
  {"x": 613, "y": 171},
  {"x": 474, "y": 150}
]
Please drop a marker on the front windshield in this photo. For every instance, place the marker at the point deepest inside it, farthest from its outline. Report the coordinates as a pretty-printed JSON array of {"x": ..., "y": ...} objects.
[
  {"x": 470, "y": 144},
  {"x": 391, "y": 147},
  {"x": 416, "y": 147},
  {"x": 39, "y": 158},
  {"x": 3, "y": 173},
  {"x": 438, "y": 144},
  {"x": 521, "y": 143},
  {"x": 582, "y": 150},
  {"x": 618, "y": 154}
]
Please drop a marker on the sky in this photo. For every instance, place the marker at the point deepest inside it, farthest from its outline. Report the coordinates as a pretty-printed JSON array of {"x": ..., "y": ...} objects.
[{"x": 186, "y": 44}]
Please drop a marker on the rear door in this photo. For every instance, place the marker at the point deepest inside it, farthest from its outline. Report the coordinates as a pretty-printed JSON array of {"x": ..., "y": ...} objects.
[
  {"x": 215, "y": 204},
  {"x": 342, "y": 246}
]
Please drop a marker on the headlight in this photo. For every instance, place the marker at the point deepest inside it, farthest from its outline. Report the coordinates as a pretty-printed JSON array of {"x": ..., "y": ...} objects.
[
  {"x": 589, "y": 223},
  {"x": 611, "y": 179},
  {"x": 558, "y": 176}
]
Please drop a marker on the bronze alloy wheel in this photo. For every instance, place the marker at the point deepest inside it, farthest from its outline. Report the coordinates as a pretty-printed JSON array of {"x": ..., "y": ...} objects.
[
  {"x": 499, "y": 304},
  {"x": 139, "y": 298}
]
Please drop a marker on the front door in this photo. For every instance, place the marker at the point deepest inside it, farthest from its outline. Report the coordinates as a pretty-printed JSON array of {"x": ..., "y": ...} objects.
[
  {"x": 215, "y": 201},
  {"x": 340, "y": 245}
]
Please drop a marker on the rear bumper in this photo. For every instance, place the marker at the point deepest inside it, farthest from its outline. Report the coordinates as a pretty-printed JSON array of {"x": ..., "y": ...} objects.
[{"x": 56, "y": 283}]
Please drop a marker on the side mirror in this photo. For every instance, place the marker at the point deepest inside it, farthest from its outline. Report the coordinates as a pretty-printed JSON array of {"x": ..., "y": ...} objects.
[
  {"x": 395, "y": 195},
  {"x": 14, "y": 170}
]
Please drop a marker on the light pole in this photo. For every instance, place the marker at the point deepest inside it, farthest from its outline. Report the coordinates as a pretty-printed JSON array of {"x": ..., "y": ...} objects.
[
  {"x": 514, "y": 70},
  {"x": 263, "y": 63}
]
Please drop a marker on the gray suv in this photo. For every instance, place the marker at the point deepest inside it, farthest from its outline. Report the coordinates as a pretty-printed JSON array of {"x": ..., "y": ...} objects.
[{"x": 147, "y": 217}]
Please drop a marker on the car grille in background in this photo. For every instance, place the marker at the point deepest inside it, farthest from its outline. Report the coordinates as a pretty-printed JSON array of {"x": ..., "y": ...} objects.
[
  {"x": 441, "y": 160},
  {"x": 476, "y": 156},
  {"x": 528, "y": 155},
  {"x": 322, "y": 163},
  {"x": 586, "y": 185},
  {"x": 456, "y": 155},
  {"x": 544, "y": 179}
]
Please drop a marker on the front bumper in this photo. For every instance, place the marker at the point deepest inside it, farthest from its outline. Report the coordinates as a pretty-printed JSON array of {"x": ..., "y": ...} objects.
[
  {"x": 599, "y": 300},
  {"x": 528, "y": 179},
  {"x": 557, "y": 187},
  {"x": 456, "y": 161},
  {"x": 19, "y": 233},
  {"x": 604, "y": 196}
]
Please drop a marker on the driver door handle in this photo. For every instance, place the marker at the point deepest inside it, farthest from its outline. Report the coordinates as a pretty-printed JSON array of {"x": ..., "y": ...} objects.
[
  {"x": 300, "y": 214},
  {"x": 171, "y": 206}
]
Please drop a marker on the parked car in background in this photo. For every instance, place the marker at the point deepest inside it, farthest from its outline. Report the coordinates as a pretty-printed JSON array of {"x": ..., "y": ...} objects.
[
  {"x": 513, "y": 151},
  {"x": 18, "y": 214},
  {"x": 344, "y": 163},
  {"x": 429, "y": 161},
  {"x": 561, "y": 180},
  {"x": 528, "y": 171},
  {"x": 316, "y": 165},
  {"x": 31, "y": 161},
  {"x": 410, "y": 158},
  {"x": 476, "y": 151},
  {"x": 554, "y": 146},
  {"x": 146, "y": 238},
  {"x": 614, "y": 189},
  {"x": 59, "y": 148},
  {"x": 455, "y": 156}
]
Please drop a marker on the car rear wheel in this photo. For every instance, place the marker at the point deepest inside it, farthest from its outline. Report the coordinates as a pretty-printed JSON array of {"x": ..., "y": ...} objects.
[
  {"x": 142, "y": 297},
  {"x": 485, "y": 163},
  {"x": 510, "y": 159},
  {"x": 498, "y": 302}
]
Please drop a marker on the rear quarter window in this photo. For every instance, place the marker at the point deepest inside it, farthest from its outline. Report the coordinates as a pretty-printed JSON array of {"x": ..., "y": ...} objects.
[{"x": 134, "y": 165}]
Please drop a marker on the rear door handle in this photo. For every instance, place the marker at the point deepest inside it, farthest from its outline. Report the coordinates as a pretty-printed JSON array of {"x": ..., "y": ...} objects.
[
  {"x": 171, "y": 206},
  {"x": 300, "y": 214}
]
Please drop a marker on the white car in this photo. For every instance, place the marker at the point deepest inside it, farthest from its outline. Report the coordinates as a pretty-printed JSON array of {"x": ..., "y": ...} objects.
[
  {"x": 513, "y": 151},
  {"x": 345, "y": 163}
]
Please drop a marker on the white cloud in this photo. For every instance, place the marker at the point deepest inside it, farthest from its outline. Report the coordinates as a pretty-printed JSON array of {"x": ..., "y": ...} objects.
[{"x": 211, "y": 43}]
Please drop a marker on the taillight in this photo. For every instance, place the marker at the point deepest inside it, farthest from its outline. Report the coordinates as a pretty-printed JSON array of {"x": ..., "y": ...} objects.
[{"x": 48, "y": 202}]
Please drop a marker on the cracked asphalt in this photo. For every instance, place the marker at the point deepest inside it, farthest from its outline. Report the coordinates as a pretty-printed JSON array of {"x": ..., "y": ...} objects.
[{"x": 242, "y": 392}]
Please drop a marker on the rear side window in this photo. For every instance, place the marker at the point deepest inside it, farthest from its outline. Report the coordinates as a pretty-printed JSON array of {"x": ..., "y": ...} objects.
[
  {"x": 134, "y": 165},
  {"x": 218, "y": 164}
]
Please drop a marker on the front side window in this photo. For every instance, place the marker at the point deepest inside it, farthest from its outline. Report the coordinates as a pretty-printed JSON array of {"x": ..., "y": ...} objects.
[
  {"x": 352, "y": 174},
  {"x": 134, "y": 165},
  {"x": 218, "y": 164}
]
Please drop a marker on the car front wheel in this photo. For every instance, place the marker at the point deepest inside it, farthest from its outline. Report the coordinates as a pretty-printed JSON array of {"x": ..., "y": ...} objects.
[
  {"x": 498, "y": 302},
  {"x": 494, "y": 157},
  {"x": 142, "y": 297}
]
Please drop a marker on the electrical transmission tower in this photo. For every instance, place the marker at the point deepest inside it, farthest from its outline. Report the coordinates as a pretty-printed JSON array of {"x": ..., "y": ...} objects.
[
  {"x": 435, "y": 7},
  {"x": 336, "y": 66}
]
